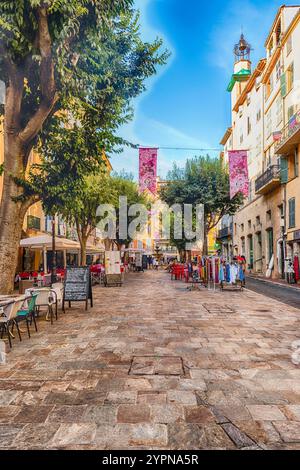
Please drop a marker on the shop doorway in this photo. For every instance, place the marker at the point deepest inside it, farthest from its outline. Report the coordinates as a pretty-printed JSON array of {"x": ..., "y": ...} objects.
[
  {"x": 258, "y": 263},
  {"x": 251, "y": 253}
]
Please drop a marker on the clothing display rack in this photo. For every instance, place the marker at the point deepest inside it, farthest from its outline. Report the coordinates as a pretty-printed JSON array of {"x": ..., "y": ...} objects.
[{"x": 231, "y": 276}]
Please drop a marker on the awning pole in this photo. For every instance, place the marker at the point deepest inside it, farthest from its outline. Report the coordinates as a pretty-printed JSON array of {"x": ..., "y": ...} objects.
[{"x": 45, "y": 260}]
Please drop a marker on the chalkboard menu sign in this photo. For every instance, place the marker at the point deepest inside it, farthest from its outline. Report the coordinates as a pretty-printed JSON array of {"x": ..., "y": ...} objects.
[{"x": 78, "y": 286}]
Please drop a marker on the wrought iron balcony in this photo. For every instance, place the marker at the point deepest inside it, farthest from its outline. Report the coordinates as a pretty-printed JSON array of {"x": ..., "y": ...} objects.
[
  {"x": 268, "y": 181},
  {"x": 290, "y": 136},
  {"x": 225, "y": 232}
]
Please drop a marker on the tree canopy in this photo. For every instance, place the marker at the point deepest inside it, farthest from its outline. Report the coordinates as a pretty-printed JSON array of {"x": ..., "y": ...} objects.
[
  {"x": 80, "y": 61},
  {"x": 204, "y": 180}
]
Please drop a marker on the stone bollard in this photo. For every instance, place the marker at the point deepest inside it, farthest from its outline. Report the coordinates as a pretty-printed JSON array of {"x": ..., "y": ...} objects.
[{"x": 2, "y": 352}]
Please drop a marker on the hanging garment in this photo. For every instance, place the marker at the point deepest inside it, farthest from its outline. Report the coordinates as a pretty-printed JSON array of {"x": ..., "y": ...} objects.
[
  {"x": 217, "y": 263},
  {"x": 234, "y": 270},
  {"x": 213, "y": 270},
  {"x": 296, "y": 268},
  {"x": 221, "y": 273},
  {"x": 227, "y": 272}
]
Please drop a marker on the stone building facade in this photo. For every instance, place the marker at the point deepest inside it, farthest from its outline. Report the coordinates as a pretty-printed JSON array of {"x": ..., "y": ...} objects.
[{"x": 266, "y": 123}]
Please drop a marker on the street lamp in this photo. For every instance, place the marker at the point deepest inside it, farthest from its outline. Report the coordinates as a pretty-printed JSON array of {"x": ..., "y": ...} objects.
[{"x": 53, "y": 269}]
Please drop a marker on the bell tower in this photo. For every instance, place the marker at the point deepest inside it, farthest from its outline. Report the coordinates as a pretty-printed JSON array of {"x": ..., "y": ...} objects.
[
  {"x": 242, "y": 55},
  {"x": 242, "y": 69}
]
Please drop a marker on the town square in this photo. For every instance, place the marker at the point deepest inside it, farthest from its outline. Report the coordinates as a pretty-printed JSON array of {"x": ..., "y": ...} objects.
[{"x": 149, "y": 228}]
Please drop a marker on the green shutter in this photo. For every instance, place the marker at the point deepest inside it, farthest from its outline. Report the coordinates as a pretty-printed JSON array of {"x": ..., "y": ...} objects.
[
  {"x": 283, "y": 84},
  {"x": 292, "y": 215},
  {"x": 284, "y": 170}
]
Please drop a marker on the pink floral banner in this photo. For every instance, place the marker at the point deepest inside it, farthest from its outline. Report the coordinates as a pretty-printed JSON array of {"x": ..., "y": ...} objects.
[
  {"x": 238, "y": 172},
  {"x": 148, "y": 169}
]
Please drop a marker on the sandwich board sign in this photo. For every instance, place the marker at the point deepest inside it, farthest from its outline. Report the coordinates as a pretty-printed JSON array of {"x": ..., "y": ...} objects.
[
  {"x": 78, "y": 286},
  {"x": 113, "y": 276}
]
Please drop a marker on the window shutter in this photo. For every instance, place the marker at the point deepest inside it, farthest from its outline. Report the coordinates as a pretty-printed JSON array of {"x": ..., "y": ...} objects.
[
  {"x": 284, "y": 170},
  {"x": 283, "y": 84},
  {"x": 292, "y": 219}
]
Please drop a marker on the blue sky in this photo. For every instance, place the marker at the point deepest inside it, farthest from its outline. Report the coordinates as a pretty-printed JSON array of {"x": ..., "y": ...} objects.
[{"x": 186, "y": 104}]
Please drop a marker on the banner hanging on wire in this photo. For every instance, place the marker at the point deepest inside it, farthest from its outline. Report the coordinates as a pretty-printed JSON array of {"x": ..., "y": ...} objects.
[
  {"x": 148, "y": 169},
  {"x": 238, "y": 172}
]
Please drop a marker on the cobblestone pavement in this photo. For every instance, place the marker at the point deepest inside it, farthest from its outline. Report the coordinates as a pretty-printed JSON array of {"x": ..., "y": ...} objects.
[{"x": 154, "y": 366}]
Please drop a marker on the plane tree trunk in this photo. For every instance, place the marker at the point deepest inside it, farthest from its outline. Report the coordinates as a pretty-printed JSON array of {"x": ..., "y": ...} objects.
[{"x": 18, "y": 143}]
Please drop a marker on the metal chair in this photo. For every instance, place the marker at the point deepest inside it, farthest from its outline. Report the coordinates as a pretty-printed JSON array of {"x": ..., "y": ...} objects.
[
  {"x": 9, "y": 318},
  {"x": 28, "y": 314}
]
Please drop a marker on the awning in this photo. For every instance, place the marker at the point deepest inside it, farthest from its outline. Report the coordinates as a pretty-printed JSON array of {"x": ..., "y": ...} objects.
[{"x": 45, "y": 242}]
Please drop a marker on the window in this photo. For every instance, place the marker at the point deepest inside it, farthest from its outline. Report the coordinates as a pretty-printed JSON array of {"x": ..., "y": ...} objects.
[
  {"x": 258, "y": 115},
  {"x": 284, "y": 170},
  {"x": 248, "y": 125},
  {"x": 270, "y": 86},
  {"x": 249, "y": 223},
  {"x": 278, "y": 33},
  {"x": 290, "y": 77},
  {"x": 279, "y": 111},
  {"x": 33, "y": 222},
  {"x": 296, "y": 165},
  {"x": 268, "y": 215},
  {"x": 270, "y": 244},
  {"x": 48, "y": 223},
  {"x": 250, "y": 191},
  {"x": 290, "y": 112},
  {"x": 268, "y": 124},
  {"x": 281, "y": 211},
  {"x": 258, "y": 145},
  {"x": 243, "y": 246},
  {"x": 270, "y": 48},
  {"x": 283, "y": 84},
  {"x": 242, "y": 227},
  {"x": 278, "y": 70},
  {"x": 292, "y": 215},
  {"x": 289, "y": 45}
]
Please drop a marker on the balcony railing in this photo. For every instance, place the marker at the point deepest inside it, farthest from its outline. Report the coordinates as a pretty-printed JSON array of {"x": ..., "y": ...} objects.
[
  {"x": 225, "y": 232},
  {"x": 268, "y": 181},
  {"x": 289, "y": 136}
]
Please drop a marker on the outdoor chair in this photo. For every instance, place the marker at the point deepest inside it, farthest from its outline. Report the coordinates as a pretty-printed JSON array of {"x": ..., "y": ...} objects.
[
  {"x": 57, "y": 290},
  {"x": 47, "y": 298},
  {"x": 8, "y": 319},
  {"x": 28, "y": 314}
]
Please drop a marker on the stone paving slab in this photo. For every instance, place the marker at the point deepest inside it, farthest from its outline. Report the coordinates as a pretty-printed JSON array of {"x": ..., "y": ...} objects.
[{"x": 154, "y": 366}]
